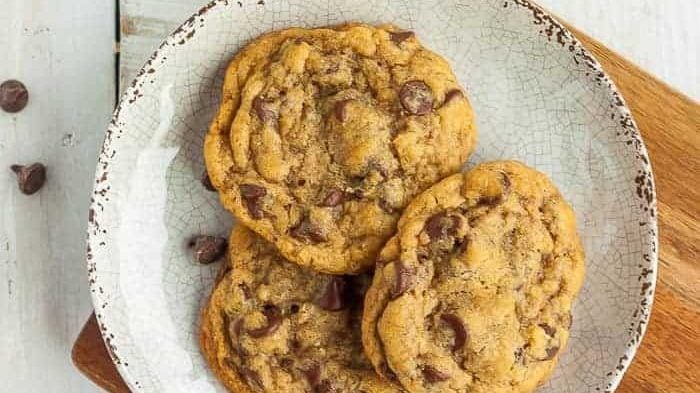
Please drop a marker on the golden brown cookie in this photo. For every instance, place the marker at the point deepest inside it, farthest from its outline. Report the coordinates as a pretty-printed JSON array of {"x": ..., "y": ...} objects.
[
  {"x": 273, "y": 326},
  {"x": 474, "y": 293},
  {"x": 324, "y": 136}
]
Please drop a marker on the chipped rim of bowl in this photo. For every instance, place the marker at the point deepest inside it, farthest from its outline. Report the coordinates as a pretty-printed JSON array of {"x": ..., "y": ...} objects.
[{"x": 185, "y": 31}]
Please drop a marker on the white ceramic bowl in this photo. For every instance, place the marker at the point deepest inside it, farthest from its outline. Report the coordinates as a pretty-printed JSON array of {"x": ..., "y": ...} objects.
[{"x": 538, "y": 95}]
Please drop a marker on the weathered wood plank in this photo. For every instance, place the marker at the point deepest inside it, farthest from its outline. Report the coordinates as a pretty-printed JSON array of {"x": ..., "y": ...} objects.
[{"x": 63, "y": 51}]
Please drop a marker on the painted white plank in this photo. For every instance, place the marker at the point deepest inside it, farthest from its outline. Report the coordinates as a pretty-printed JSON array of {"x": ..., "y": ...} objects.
[
  {"x": 662, "y": 36},
  {"x": 63, "y": 51}
]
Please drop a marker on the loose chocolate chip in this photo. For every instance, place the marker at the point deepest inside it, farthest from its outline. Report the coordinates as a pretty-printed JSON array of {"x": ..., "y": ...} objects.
[
  {"x": 264, "y": 110},
  {"x": 252, "y": 195},
  {"x": 341, "y": 110},
  {"x": 457, "y": 326},
  {"x": 306, "y": 230},
  {"x": 433, "y": 375},
  {"x": 416, "y": 97},
  {"x": 403, "y": 280},
  {"x": 30, "y": 178},
  {"x": 206, "y": 182},
  {"x": 452, "y": 95},
  {"x": 13, "y": 96},
  {"x": 313, "y": 375},
  {"x": 551, "y": 353},
  {"x": 334, "y": 198},
  {"x": 274, "y": 320},
  {"x": 333, "y": 297},
  {"x": 549, "y": 330},
  {"x": 208, "y": 249},
  {"x": 252, "y": 377},
  {"x": 440, "y": 226},
  {"x": 401, "y": 36}
]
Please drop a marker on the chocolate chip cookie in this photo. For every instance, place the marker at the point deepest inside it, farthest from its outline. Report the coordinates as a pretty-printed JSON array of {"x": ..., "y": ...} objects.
[
  {"x": 474, "y": 293},
  {"x": 324, "y": 136},
  {"x": 273, "y": 326}
]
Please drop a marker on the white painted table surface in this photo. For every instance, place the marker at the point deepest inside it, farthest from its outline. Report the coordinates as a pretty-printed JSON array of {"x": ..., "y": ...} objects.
[{"x": 63, "y": 50}]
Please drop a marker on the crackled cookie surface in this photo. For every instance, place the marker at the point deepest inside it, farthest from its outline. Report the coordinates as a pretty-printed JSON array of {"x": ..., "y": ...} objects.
[
  {"x": 273, "y": 326},
  {"x": 474, "y": 293},
  {"x": 325, "y": 135}
]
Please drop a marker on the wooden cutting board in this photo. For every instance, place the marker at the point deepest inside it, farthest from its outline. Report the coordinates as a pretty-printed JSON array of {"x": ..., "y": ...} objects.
[{"x": 669, "y": 358}]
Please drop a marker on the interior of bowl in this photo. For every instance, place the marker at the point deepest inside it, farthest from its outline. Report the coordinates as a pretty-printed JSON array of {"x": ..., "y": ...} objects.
[{"x": 538, "y": 96}]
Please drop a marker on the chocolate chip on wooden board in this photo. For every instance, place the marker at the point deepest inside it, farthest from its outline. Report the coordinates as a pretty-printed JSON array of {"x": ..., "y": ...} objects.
[
  {"x": 30, "y": 178},
  {"x": 13, "y": 96},
  {"x": 208, "y": 249}
]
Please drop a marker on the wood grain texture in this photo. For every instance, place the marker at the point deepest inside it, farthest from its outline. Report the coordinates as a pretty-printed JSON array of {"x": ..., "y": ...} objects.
[
  {"x": 63, "y": 51},
  {"x": 670, "y": 123}
]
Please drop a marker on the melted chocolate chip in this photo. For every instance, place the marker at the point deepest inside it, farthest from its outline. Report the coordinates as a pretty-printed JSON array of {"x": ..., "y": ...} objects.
[
  {"x": 401, "y": 36},
  {"x": 208, "y": 249},
  {"x": 333, "y": 297},
  {"x": 551, "y": 353},
  {"x": 452, "y": 95},
  {"x": 326, "y": 386},
  {"x": 440, "y": 226},
  {"x": 334, "y": 198},
  {"x": 235, "y": 329},
  {"x": 264, "y": 110},
  {"x": 30, "y": 178},
  {"x": 13, "y": 96},
  {"x": 252, "y": 195},
  {"x": 341, "y": 111},
  {"x": 286, "y": 363},
  {"x": 206, "y": 182},
  {"x": 247, "y": 293},
  {"x": 403, "y": 280},
  {"x": 458, "y": 328},
  {"x": 433, "y": 375},
  {"x": 306, "y": 230},
  {"x": 416, "y": 97},
  {"x": 549, "y": 330},
  {"x": 251, "y": 377},
  {"x": 493, "y": 200},
  {"x": 386, "y": 207},
  {"x": 313, "y": 375},
  {"x": 274, "y": 320}
]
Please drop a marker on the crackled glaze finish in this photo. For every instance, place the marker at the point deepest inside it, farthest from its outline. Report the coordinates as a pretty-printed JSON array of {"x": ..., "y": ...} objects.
[{"x": 538, "y": 95}]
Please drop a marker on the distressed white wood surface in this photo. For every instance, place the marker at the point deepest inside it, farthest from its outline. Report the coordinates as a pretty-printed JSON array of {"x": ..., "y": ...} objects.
[
  {"x": 63, "y": 51},
  {"x": 662, "y": 36}
]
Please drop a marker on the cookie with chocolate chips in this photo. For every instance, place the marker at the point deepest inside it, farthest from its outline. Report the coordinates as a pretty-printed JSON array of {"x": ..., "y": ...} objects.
[
  {"x": 273, "y": 326},
  {"x": 474, "y": 293},
  {"x": 324, "y": 136}
]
